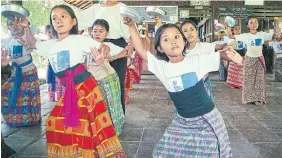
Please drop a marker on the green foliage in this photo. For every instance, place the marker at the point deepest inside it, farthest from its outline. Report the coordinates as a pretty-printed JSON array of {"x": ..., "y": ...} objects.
[{"x": 39, "y": 13}]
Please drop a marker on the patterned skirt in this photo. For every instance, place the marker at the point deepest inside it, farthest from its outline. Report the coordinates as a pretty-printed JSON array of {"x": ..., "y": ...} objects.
[
  {"x": 235, "y": 75},
  {"x": 137, "y": 62},
  {"x": 129, "y": 80},
  {"x": 94, "y": 137},
  {"x": 110, "y": 88},
  {"x": 202, "y": 136},
  {"x": 278, "y": 67},
  {"x": 27, "y": 111},
  {"x": 254, "y": 80},
  {"x": 59, "y": 91}
]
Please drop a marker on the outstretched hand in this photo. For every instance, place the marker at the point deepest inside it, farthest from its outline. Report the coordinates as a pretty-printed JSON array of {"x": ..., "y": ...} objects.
[
  {"x": 22, "y": 22},
  {"x": 98, "y": 57},
  {"x": 233, "y": 56},
  {"x": 4, "y": 57},
  {"x": 128, "y": 21}
]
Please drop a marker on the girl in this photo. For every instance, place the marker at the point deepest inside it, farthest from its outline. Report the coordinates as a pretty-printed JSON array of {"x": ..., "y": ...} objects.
[
  {"x": 107, "y": 77},
  {"x": 55, "y": 88},
  {"x": 190, "y": 31},
  {"x": 131, "y": 75},
  {"x": 198, "y": 129},
  {"x": 79, "y": 125},
  {"x": 254, "y": 79},
  {"x": 276, "y": 44},
  {"x": 20, "y": 95},
  {"x": 235, "y": 71}
]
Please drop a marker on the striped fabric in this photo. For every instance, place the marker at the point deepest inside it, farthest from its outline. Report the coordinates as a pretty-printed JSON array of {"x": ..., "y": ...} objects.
[
  {"x": 254, "y": 80},
  {"x": 137, "y": 62},
  {"x": 95, "y": 137},
  {"x": 278, "y": 67},
  {"x": 110, "y": 88},
  {"x": 27, "y": 111},
  {"x": 235, "y": 75},
  {"x": 59, "y": 91},
  {"x": 199, "y": 137},
  {"x": 129, "y": 80}
]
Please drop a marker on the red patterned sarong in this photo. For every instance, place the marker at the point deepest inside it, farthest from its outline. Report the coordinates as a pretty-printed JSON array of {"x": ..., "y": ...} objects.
[{"x": 95, "y": 137}]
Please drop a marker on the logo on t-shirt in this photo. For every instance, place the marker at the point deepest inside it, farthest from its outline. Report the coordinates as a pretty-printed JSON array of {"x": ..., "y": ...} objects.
[
  {"x": 255, "y": 42},
  {"x": 16, "y": 51},
  {"x": 63, "y": 60},
  {"x": 184, "y": 81}
]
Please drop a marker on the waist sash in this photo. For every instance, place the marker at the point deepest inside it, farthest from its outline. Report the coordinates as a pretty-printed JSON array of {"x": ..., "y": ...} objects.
[
  {"x": 18, "y": 81},
  {"x": 193, "y": 101},
  {"x": 69, "y": 78}
]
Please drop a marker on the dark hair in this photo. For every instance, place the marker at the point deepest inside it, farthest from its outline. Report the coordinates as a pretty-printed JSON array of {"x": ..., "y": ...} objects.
[
  {"x": 189, "y": 21},
  {"x": 248, "y": 19},
  {"x": 74, "y": 30},
  {"x": 163, "y": 56},
  {"x": 102, "y": 23},
  {"x": 47, "y": 28}
]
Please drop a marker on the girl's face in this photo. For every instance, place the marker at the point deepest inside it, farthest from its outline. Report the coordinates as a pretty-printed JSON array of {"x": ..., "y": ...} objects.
[
  {"x": 99, "y": 33},
  {"x": 15, "y": 28},
  {"x": 237, "y": 30},
  {"x": 253, "y": 24},
  {"x": 190, "y": 32},
  {"x": 62, "y": 21},
  {"x": 171, "y": 43}
]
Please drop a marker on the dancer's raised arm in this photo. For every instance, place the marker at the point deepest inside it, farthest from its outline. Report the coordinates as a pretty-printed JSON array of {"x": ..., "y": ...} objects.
[{"x": 136, "y": 39}]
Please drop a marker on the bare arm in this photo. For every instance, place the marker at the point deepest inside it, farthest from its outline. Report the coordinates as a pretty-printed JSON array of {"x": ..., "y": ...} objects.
[
  {"x": 29, "y": 36},
  {"x": 220, "y": 46},
  {"x": 231, "y": 55},
  {"x": 136, "y": 39}
]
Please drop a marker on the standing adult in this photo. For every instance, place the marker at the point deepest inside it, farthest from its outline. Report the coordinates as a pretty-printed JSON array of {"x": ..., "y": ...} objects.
[{"x": 118, "y": 34}]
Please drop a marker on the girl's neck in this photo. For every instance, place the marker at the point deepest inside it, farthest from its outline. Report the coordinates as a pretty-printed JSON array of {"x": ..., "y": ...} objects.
[
  {"x": 254, "y": 32},
  {"x": 63, "y": 36},
  {"x": 176, "y": 59},
  {"x": 192, "y": 45}
]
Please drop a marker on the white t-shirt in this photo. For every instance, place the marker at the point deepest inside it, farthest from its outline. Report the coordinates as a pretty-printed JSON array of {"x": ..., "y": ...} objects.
[
  {"x": 277, "y": 46},
  {"x": 185, "y": 74},
  {"x": 254, "y": 42},
  {"x": 68, "y": 52},
  {"x": 250, "y": 39},
  {"x": 15, "y": 49},
  {"x": 111, "y": 14},
  {"x": 240, "y": 44},
  {"x": 201, "y": 47},
  {"x": 114, "y": 49}
]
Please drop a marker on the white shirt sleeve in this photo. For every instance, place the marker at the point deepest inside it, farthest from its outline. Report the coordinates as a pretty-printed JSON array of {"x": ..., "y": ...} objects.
[
  {"x": 156, "y": 66},
  {"x": 124, "y": 28},
  {"x": 87, "y": 43},
  {"x": 240, "y": 37},
  {"x": 86, "y": 18},
  {"x": 267, "y": 36},
  {"x": 205, "y": 63},
  {"x": 44, "y": 47},
  {"x": 114, "y": 49},
  {"x": 5, "y": 43}
]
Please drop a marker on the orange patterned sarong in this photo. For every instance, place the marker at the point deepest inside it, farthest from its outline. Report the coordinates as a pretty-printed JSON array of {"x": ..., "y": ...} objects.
[{"x": 95, "y": 137}]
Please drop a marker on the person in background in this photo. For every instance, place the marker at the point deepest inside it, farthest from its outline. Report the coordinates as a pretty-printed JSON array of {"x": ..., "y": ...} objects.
[
  {"x": 118, "y": 34},
  {"x": 20, "y": 95},
  {"x": 55, "y": 89},
  {"x": 254, "y": 79}
]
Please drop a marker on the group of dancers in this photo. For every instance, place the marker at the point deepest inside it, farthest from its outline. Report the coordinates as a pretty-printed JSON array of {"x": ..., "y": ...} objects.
[{"x": 89, "y": 86}]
